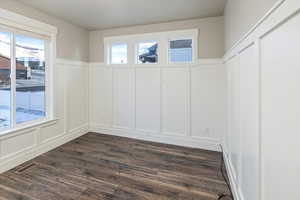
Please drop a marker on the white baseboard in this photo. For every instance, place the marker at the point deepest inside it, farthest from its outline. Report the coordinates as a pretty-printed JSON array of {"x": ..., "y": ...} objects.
[
  {"x": 17, "y": 159},
  {"x": 236, "y": 192},
  {"x": 185, "y": 141}
]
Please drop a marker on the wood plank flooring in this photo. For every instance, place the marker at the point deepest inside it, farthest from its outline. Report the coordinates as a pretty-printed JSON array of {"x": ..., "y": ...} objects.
[{"x": 96, "y": 167}]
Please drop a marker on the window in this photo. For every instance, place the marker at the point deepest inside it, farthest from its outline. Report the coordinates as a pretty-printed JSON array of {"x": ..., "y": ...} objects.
[
  {"x": 119, "y": 54},
  {"x": 152, "y": 48},
  {"x": 147, "y": 52},
  {"x": 5, "y": 82},
  {"x": 180, "y": 51},
  {"x": 30, "y": 79},
  {"x": 23, "y": 74}
]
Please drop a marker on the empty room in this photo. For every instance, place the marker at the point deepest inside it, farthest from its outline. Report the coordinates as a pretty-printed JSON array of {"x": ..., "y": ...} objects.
[{"x": 149, "y": 100}]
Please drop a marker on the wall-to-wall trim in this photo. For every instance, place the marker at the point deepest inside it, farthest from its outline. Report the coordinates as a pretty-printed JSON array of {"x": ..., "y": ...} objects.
[
  {"x": 61, "y": 61},
  {"x": 236, "y": 192},
  {"x": 231, "y": 51},
  {"x": 278, "y": 15},
  {"x": 210, "y": 61},
  {"x": 201, "y": 143}
]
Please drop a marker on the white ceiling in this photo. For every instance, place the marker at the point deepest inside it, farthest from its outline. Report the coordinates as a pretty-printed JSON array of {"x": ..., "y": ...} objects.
[{"x": 103, "y": 14}]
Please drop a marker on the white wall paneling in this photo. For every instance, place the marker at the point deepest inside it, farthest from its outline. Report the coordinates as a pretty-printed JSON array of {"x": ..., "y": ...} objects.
[
  {"x": 174, "y": 103},
  {"x": 100, "y": 85},
  {"x": 123, "y": 98},
  {"x": 280, "y": 110},
  {"x": 76, "y": 95},
  {"x": 249, "y": 121},
  {"x": 208, "y": 89},
  {"x": 261, "y": 145},
  {"x": 71, "y": 118},
  {"x": 162, "y": 103},
  {"x": 148, "y": 100}
]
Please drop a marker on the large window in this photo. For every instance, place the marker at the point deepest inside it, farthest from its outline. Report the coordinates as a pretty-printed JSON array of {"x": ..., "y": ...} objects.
[
  {"x": 30, "y": 79},
  {"x": 175, "y": 47},
  {"x": 23, "y": 64},
  {"x": 5, "y": 82}
]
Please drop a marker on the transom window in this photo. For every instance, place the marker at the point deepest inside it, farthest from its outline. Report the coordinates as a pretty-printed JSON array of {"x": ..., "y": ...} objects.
[
  {"x": 119, "y": 53},
  {"x": 181, "y": 51},
  {"x": 147, "y": 52},
  {"x": 152, "y": 48}
]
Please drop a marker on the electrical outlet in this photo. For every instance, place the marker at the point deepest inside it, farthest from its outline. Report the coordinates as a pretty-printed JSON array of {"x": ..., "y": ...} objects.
[{"x": 207, "y": 132}]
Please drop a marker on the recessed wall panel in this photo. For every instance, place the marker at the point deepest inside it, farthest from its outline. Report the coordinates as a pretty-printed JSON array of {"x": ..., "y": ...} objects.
[
  {"x": 123, "y": 98},
  {"x": 18, "y": 143},
  {"x": 77, "y": 96},
  {"x": 101, "y": 96},
  {"x": 148, "y": 100},
  {"x": 174, "y": 100},
  {"x": 207, "y": 101},
  {"x": 249, "y": 122}
]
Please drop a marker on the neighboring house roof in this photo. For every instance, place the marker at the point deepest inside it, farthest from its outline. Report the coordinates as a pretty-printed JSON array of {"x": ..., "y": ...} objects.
[
  {"x": 5, "y": 64},
  {"x": 178, "y": 44}
]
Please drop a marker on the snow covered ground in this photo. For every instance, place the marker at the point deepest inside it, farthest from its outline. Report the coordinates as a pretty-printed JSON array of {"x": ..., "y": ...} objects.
[{"x": 30, "y": 106}]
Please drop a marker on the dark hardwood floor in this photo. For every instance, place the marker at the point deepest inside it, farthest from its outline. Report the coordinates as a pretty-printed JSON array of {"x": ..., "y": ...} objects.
[{"x": 96, "y": 167}]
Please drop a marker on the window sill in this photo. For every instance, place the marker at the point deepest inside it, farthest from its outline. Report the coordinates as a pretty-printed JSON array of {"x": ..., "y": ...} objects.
[{"x": 19, "y": 130}]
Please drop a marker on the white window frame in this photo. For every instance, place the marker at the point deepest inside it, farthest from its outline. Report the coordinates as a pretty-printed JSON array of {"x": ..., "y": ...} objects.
[
  {"x": 16, "y": 24},
  {"x": 183, "y": 37},
  {"x": 110, "y": 53},
  {"x": 162, "y": 38},
  {"x": 136, "y": 52}
]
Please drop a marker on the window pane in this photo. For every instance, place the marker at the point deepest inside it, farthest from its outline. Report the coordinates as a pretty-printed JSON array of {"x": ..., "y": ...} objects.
[
  {"x": 147, "y": 52},
  {"x": 30, "y": 79},
  {"x": 181, "y": 51},
  {"x": 119, "y": 54},
  {"x": 5, "y": 88}
]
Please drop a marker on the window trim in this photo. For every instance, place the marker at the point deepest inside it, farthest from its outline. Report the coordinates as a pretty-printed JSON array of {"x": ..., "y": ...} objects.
[
  {"x": 194, "y": 55},
  {"x": 17, "y": 24},
  {"x": 136, "y": 52},
  {"x": 162, "y": 38},
  {"x": 110, "y": 53}
]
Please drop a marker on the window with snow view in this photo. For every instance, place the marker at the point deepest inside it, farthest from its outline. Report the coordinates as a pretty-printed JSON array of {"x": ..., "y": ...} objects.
[
  {"x": 5, "y": 82},
  {"x": 22, "y": 79},
  {"x": 30, "y": 79}
]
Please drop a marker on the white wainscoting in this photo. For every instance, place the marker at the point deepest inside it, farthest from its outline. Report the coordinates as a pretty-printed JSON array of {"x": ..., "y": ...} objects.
[
  {"x": 176, "y": 104},
  {"x": 263, "y": 77},
  {"x": 71, "y": 118}
]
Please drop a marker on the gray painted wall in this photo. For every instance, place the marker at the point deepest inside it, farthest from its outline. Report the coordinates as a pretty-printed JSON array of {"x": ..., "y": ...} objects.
[
  {"x": 241, "y": 15},
  {"x": 72, "y": 41},
  {"x": 211, "y": 36}
]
